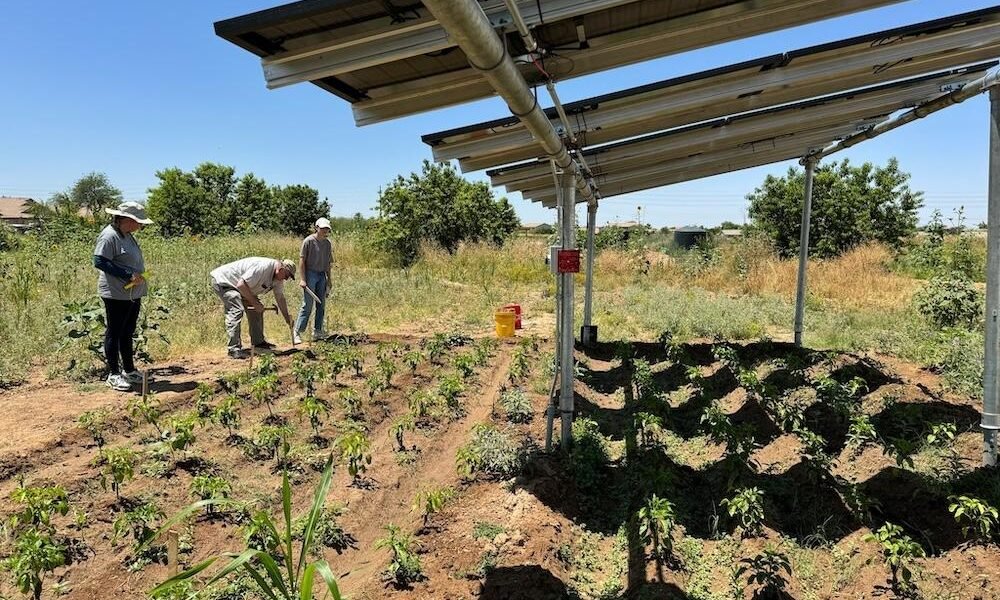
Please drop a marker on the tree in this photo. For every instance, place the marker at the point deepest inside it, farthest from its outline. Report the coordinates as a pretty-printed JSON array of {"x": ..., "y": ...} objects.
[
  {"x": 92, "y": 192},
  {"x": 441, "y": 207},
  {"x": 253, "y": 205},
  {"x": 219, "y": 182},
  {"x": 298, "y": 207},
  {"x": 179, "y": 205},
  {"x": 850, "y": 205}
]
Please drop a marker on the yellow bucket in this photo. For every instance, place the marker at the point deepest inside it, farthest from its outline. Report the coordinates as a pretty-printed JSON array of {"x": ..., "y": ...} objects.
[{"x": 505, "y": 323}]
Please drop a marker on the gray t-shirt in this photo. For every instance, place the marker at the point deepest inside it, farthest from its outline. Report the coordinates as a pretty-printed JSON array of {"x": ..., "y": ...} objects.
[
  {"x": 257, "y": 272},
  {"x": 123, "y": 251},
  {"x": 316, "y": 253}
]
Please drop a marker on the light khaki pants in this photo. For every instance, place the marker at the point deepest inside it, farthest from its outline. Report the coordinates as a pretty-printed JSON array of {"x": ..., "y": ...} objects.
[{"x": 232, "y": 307}]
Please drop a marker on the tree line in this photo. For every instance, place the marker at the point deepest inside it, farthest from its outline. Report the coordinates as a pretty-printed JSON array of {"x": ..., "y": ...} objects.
[{"x": 435, "y": 206}]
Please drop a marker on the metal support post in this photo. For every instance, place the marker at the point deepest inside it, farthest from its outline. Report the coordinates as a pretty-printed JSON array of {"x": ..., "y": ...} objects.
[
  {"x": 550, "y": 413},
  {"x": 991, "y": 374},
  {"x": 567, "y": 209},
  {"x": 800, "y": 290},
  {"x": 588, "y": 333}
]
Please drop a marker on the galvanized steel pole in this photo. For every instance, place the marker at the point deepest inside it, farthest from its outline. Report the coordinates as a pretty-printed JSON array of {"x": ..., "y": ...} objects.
[
  {"x": 567, "y": 209},
  {"x": 800, "y": 290},
  {"x": 588, "y": 292},
  {"x": 550, "y": 414},
  {"x": 991, "y": 374}
]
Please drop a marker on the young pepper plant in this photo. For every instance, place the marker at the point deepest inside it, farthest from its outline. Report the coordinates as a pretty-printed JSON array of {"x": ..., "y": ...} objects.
[{"x": 282, "y": 574}]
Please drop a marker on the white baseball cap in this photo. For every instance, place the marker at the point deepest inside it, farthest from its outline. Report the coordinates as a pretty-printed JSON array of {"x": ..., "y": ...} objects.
[{"x": 323, "y": 223}]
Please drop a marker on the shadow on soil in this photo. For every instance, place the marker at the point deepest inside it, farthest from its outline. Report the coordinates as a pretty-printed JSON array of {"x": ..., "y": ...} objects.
[
  {"x": 805, "y": 501},
  {"x": 532, "y": 582}
]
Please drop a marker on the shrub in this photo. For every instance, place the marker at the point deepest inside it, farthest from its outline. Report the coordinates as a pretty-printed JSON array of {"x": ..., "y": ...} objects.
[
  {"x": 765, "y": 571},
  {"x": 37, "y": 506},
  {"x": 95, "y": 422},
  {"x": 227, "y": 414},
  {"x": 210, "y": 487},
  {"x": 314, "y": 409},
  {"x": 351, "y": 402},
  {"x": 9, "y": 240},
  {"x": 140, "y": 522},
  {"x": 404, "y": 567},
  {"x": 948, "y": 302},
  {"x": 355, "y": 448},
  {"x": 399, "y": 427},
  {"x": 588, "y": 456},
  {"x": 270, "y": 439},
  {"x": 203, "y": 395},
  {"x": 181, "y": 434},
  {"x": 35, "y": 552},
  {"x": 747, "y": 507},
  {"x": 850, "y": 205},
  {"x": 975, "y": 515},
  {"x": 646, "y": 426},
  {"x": 431, "y": 501},
  {"x": 516, "y": 405},
  {"x": 440, "y": 207},
  {"x": 491, "y": 453},
  {"x": 118, "y": 466},
  {"x": 656, "y": 522},
  {"x": 327, "y": 531},
  {"x": 898, "y": 550}
]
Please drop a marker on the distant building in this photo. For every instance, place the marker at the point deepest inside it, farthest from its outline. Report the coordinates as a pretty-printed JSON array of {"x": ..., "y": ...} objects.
[
  {"x": 16, "y": 212},
  {"x": 542, "y": 228},
  {"x": 732, "y": 233},
  {"x": 689, "y": 237},
  {"x": 622, "y": 225}
]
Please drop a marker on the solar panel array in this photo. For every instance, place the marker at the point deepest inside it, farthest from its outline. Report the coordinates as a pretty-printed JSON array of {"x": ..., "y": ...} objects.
[{"x": 389, "y": 59}]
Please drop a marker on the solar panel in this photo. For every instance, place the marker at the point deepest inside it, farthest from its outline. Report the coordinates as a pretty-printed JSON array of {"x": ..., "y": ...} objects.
[
  {"x": 768, "y": 81},
  {"x": 751, "y": 139},
  {"x": 389, "y": 59}
]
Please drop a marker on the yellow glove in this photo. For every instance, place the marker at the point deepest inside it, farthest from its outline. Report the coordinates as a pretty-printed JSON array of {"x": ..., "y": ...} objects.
[{"x": 144, "y": 275}]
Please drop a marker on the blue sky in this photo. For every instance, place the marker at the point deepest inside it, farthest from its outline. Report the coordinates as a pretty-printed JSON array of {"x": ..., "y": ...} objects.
[{"x": 128, "y": 88}]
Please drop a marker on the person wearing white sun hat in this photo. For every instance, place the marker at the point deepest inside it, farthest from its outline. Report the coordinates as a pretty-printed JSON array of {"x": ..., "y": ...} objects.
[
  {"x": 121, "y": 286},
  {"x": 315, "y": 260}
]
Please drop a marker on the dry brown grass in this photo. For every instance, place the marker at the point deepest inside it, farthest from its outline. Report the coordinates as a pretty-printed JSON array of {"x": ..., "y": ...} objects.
[{"x": 860, "y": 278}]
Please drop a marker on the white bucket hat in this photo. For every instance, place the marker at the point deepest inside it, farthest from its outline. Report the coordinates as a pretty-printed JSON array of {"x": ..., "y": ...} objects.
[{"x": 131, "y": 210}]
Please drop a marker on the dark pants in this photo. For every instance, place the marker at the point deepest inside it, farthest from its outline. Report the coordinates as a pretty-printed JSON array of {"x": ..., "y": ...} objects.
[{"x": 122, "y": 316}]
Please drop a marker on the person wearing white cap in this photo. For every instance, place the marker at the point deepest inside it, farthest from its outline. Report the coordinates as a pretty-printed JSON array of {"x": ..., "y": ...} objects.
[
  {"x": 121, "y": 285},
  {"x": 315, "y": 260}
]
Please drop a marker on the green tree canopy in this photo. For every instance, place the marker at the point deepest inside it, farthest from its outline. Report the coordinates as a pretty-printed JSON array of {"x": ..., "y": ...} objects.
[
  {"x": 298, "y": 207},
  {"x": 851, "y": 205},
  {"x": 180, "y": 206},
  {"x": 212, "y": 199},
  {"x": 441, "y": 207}
]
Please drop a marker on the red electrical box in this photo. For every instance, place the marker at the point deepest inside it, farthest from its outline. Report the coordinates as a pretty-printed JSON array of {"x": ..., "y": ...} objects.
[{"x": 569, "y": 261}]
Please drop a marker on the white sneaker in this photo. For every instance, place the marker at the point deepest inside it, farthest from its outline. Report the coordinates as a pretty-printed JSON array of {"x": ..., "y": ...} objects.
[
  {"x": 118, "y": 383},
  {"x": 296, "y": 338},
  {"x": 133, "y": 377}
]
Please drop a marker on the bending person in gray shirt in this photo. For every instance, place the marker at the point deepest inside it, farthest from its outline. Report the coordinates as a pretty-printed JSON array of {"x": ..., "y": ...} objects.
[{"x": 239, "y": 285}]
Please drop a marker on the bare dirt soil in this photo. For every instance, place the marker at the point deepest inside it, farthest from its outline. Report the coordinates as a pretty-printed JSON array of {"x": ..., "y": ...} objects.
[{"x": 560, "y": 529}]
